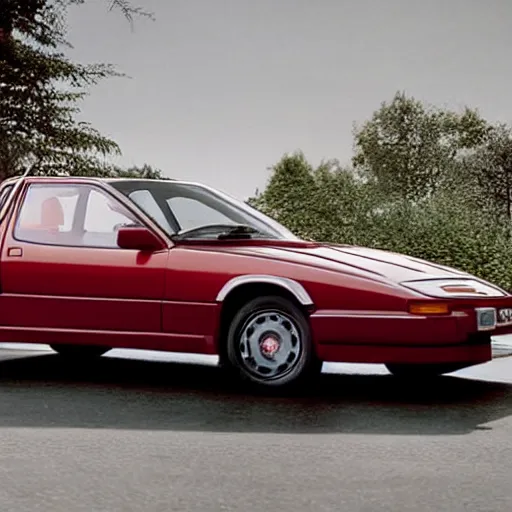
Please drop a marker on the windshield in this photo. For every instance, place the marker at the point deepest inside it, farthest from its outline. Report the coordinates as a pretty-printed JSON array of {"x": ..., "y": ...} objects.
[{"x": 185, "y": 208}]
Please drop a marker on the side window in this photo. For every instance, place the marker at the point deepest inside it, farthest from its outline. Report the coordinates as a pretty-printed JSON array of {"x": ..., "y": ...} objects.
[
  {"x": 192, "y": 214},
  {"x": 51, "y": 215},
  {"x": 103, "y": 217},
  {"x": 47, "y": 214}
]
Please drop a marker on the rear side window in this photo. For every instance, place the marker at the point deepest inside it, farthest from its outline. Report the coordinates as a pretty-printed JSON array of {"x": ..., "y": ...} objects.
[
  {"x": 50, "y": 207},
  {"x": 70, "y": 215}
]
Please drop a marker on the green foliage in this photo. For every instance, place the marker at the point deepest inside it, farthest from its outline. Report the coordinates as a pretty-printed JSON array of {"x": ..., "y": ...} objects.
[
  {"x": 40, "y": 89},
  {"x": 145, "y": 172},
  {"x": 410, "y": 149},
  {"x": 328, "y": 203},
  {"x": 489, "y": 169},
  {"x": 289, "y": 199}
]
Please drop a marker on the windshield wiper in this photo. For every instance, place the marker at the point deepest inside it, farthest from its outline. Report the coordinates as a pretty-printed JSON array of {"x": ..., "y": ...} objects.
[
  {"x": 240, "y": 231},
  {"x": 222, "y": 232}
]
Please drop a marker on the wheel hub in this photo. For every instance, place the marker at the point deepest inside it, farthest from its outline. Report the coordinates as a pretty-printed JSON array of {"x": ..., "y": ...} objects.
[{"x": 269, "y": 346}]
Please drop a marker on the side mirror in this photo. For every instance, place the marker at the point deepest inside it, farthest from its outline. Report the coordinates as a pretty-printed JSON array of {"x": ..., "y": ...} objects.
[{"x": 138, "y": 238}]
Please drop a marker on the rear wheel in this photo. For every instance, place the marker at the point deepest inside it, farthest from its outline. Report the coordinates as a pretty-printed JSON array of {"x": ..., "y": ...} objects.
[
  {"x": 269, "y": 343},
  {"x": 419, "y": 371},
  {"x": 79, "y": 351}
]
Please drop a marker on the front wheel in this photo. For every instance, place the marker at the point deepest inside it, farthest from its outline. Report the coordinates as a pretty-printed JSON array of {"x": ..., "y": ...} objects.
[
  {"x": 269, "y": 343},
  {"x": 417, "y": 371},
  {"x": 79, "y": 351}
]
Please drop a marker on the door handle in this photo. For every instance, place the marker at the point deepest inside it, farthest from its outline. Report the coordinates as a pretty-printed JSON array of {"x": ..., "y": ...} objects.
[{"x": 14, "y": 252}]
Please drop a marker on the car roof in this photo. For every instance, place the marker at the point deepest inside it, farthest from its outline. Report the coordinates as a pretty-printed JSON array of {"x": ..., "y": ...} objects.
[
  {"x": 97, "y": 178},
  {"x": 112, "y": 181}
]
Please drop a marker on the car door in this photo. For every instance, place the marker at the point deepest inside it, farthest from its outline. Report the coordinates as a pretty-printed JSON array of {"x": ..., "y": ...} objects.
[{"x": 61, "y": 268}]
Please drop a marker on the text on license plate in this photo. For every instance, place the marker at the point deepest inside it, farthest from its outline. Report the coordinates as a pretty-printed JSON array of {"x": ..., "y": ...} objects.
[{"x": 505, "y": 316}]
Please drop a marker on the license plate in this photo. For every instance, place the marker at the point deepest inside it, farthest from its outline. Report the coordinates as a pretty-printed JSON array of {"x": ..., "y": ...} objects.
[{"x": 504, "y": 316}]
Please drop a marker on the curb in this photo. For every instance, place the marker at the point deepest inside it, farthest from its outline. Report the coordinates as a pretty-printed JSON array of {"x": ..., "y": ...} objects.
[{"x": 500, "y": 350}]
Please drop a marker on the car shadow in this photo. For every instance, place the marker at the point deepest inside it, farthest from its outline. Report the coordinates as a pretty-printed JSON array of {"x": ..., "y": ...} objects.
[{"x": 50, "y": 391}]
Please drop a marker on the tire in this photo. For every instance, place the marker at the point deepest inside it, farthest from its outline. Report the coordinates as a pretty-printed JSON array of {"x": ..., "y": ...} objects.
[
  {"x": 79, "y": 351},
  {"x": 421, "y": 371},
  {"x": 269, "y": 344}
]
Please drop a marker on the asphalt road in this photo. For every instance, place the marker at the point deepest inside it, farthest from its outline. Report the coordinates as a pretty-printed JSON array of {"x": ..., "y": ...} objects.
[{"x": 127, "y": 435}]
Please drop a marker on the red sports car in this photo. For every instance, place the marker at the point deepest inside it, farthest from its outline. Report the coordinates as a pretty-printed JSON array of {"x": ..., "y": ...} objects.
[{"x": 92, "y": 264}]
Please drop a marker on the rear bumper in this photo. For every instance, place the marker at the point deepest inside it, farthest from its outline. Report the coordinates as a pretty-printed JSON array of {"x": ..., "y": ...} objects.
[{"x": 390, "y": 337}]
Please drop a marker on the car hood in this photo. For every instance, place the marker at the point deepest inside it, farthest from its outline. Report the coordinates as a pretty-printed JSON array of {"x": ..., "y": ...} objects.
[{"x": 359, "y": 261}]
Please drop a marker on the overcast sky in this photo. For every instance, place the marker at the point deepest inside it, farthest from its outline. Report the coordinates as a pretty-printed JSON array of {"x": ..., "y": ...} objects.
[{"x": 221, "y": 89}]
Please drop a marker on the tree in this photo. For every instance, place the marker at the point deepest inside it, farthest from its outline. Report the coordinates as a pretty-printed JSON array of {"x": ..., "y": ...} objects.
[
  {"x": 409, "y": 149},
  {"x": 40, "y": 89},
  {"x": 324, "y": 203},
  {"x": 145, "y": 172},
  {"x": 490, "y": 169},
  {"x": 288, "y": 193}
]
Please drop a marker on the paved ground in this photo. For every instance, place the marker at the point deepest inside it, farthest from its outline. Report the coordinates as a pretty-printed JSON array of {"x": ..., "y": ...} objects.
[{"x": 149, "y": 436}]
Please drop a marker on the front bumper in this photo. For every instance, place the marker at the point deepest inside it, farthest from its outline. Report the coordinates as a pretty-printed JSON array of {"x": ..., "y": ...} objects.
[{"x": 400, "y": 337}]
